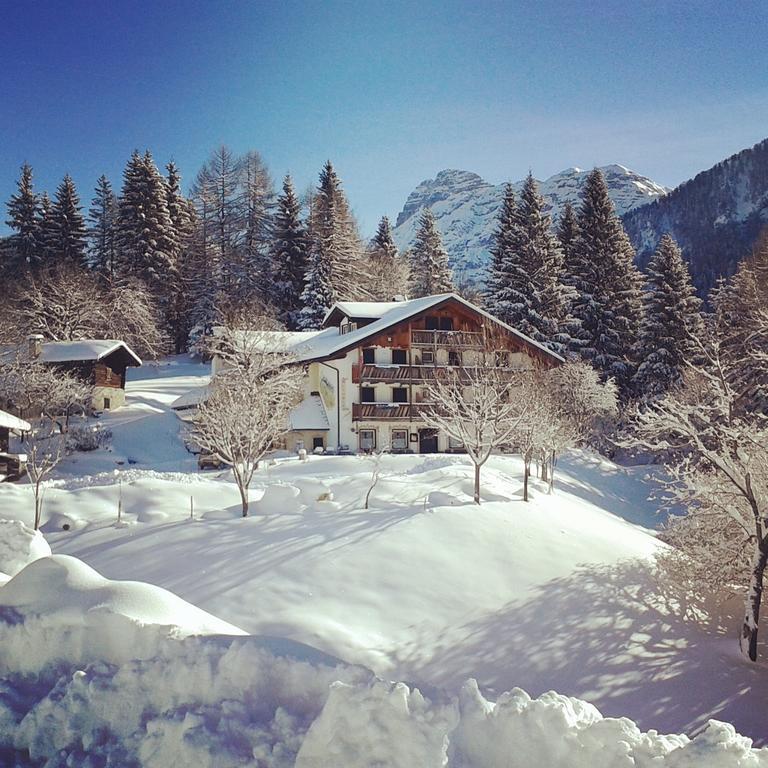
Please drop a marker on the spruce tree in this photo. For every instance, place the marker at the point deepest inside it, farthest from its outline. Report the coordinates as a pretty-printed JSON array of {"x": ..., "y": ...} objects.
[
  {"x": 567, "y": 232},
  {"x": 47, "y": 234},
  {"x": 102, "y": 217},
  {"x": 430, "y": 273},
  {"x": 330, "y": 209},
  {"x": 388, "y": 273},
  {"x": 382, "y": 243},
  {"x": 288, "y": 257},
  {"x": 671, "y": 321},
  {"x": 319, "y": 295},
  {"x": 24, "y": 219},
  {"x": 257, "y": 200},
  {"x": 68, "y": 225},
  {"x": 608, "y": 301},
  {"x": 509, "y": 286}
]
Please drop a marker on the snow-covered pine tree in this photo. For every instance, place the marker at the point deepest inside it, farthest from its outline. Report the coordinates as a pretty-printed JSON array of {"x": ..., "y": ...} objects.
[
  {"x": 46, "y": 235},
  {"x": 319, "y": 291},
  {"x": 181, "y": 213},
  {"x": 346, "y": 263},
  {"x": 670, "y": 322},
  {"x": 68, "y": 225},
  {"x": 102, "y": 217},
  {"x": 288, "y": 257},
  {"x": 430, "y": 272},
  {"x": 608, "y": 302},
  {"x": 24, "y": 220},
  {"x": 509, "y": 288},
  {"x": 389, "y": 273},
  {"x": 741, "y": 307},
  {"x": 567, "y": 231},
  {"x": 543, "y": 258}
]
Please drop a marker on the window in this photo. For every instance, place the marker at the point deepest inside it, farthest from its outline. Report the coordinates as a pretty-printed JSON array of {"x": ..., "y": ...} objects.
[
  {"x": 399, "y": 357},
  {"x": 107, "y": 403},
  {"x": 502, "y": 359},
  {"x": 428, "y": 357},
  {"x": 399, "y": 440},
  {"x": 446, "y": 323},
  {"x": 367, "y": 440},
  {"x": 399, "y": 395},
  {"x": 454, "y": 357},
  {"x": 367, "y": 395},
  {"x": 431, "y": 323},
  {"x": 318, "y": 442},
  {"x": 348, "y": 328},
  {"x": 369, "y": 356}
]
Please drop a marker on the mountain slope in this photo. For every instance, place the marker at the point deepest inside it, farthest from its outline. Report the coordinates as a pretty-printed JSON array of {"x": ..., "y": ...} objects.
[
  {"x": 465, "y": 207},
  {"x": 716, "y": 216}
]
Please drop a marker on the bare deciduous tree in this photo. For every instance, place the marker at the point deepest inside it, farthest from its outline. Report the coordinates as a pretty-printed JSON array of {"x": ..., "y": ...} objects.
[
  {"x": 249, "y": 400},
  {"x": 475, "y": 403}
]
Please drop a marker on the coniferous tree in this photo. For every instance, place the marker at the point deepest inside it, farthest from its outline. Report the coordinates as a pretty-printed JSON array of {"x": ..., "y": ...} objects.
[
  {"x": 318, "y": 295},
  {"x": 331, "y": 209},
  {"x": 67, "y": 225},
  {"x": 567, "y": 232},
  {"x": 430, "y": 272},
  {"x": 671, "y": 321},
  {"x": 509, "y": 286},
  {"x": 47, "y": 235},
  {"x": 388, "y": 272},
  {"x": 257, "y": 200},
  {"x": 608, "y": 302},
  {"x": 288, "y": 257},
  {"x": 24, "y": 219},
  {"x": 103, "y": 220}
]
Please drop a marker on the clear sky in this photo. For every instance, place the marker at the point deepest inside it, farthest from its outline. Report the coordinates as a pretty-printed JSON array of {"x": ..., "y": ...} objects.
[{"x": 391, "y": 92}]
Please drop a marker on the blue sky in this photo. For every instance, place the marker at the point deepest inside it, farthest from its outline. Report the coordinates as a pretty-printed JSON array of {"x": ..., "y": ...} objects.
[{"x": 391, "y": 92}]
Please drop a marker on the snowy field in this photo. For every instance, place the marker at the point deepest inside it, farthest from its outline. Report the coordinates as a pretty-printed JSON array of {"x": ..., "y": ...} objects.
[{"x": 423, "y": 587}]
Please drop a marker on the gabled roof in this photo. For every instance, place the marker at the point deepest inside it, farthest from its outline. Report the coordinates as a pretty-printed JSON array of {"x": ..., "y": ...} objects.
[
  {"x": 9, "y": 421},
  {"x": 306, "y": 346},
  {"x": 84, "y": 349},
  {"x": 330, "y": 342},
  {"x": 359, "y": 310}
]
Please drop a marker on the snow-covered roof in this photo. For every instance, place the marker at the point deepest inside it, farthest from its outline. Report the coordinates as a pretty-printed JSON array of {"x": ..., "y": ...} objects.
[
  {"x": 9, "y": 421},
  {"x": 330, "y": 341},
  {"x": 83, "y": 349},
  {"x": 190, "y": 399},
  {"x": 309, "y": 414},
  {"x": 305, "y": 346},
  {"x": 364, "y": 309}
]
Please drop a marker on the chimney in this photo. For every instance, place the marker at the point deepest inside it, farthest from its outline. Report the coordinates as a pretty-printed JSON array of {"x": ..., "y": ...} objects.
[{"x": 34, "y": 345}]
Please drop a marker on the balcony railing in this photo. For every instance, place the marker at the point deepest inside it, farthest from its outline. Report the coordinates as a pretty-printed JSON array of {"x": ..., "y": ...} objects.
[
  {"x": 389, "y": 411},
  {"x": 446, "y": 339},
  {"x": 405, "y": 374}
]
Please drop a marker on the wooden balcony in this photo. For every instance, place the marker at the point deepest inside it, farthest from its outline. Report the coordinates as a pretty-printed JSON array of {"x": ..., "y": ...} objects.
[
  {"x": 387, "y": 411},
  {"x": 395, "y": 374},
  {"x": 449, "y": 339}
]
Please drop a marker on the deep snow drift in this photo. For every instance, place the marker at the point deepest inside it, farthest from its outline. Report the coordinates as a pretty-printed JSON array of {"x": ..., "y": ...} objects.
[{"x": 181, "y": 688}]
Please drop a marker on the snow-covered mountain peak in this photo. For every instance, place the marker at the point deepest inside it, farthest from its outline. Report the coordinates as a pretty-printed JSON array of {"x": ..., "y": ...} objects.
[{"x": 466, "y": 207}]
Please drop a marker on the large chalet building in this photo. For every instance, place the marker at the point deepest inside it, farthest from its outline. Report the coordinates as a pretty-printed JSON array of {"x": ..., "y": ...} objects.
[{"x": 369, "y": 369}]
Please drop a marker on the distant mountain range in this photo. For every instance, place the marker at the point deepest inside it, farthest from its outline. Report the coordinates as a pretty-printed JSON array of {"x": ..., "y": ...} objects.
[
  {"x": 716, "y": 216},
  {"x": 466, "y": 208}
]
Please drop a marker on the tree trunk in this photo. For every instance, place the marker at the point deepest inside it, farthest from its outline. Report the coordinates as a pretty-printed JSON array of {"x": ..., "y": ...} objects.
[
  {"x": 477, "y": 483},
  {"x": 526, "y": 474},
  {"x": 551, "y": 473},
  {"x": 38, "y": 507},
  {"x": 244, "y": 499},
  {"x": 544, "y": 470},
  {"x": 748, "y": 639}
]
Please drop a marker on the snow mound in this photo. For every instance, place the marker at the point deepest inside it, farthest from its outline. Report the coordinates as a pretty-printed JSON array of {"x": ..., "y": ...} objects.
[
  {"x": 20, "y": 545},
  {"x": 278, "y": 498},
  {"x": 58, "y": 608}
]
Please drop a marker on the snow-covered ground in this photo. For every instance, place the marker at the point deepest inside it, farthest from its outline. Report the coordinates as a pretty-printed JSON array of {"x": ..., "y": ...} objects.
[{"x": 424, "y": 587}]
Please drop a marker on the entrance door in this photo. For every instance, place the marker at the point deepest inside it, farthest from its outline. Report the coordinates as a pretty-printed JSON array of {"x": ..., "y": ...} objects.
[{"x": 427, "y": 441}]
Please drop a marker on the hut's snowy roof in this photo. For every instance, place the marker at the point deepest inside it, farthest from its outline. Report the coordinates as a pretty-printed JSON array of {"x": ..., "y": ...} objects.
[
  {"x": 9, "y": 421},
  {"x": 83, "y": 349}
]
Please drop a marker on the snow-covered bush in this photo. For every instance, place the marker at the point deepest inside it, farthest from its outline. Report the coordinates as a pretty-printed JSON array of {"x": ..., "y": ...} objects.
[
  {"x": 19, "y": 546},
  {"x": 89, "y": 437}
]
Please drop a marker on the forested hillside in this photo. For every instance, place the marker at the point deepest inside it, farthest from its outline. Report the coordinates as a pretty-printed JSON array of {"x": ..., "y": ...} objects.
[{"x": 715, "y": 217}]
